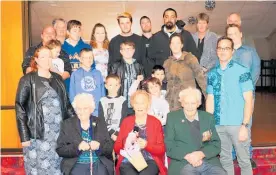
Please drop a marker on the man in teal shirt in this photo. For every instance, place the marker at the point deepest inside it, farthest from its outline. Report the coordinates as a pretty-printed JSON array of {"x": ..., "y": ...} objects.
[{"x": 230, "y": 99}]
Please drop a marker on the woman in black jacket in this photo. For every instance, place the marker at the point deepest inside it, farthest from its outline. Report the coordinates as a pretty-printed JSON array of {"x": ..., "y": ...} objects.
[
  {"x": 84, "y": 142},
  {"x": 41, "y": 104}
]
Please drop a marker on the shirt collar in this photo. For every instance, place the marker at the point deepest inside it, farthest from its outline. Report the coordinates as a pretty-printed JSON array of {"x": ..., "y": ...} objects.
[
  {"x": 170, "y": 34},
  {"x": 196, "y": 117},
  {"x": 229, "y": 65}
]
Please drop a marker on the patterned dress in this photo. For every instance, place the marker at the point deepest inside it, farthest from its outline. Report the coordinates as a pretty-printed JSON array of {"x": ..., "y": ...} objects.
[
  {"x": 40, "y": 158},
  {"x": 101, "y": 60}
]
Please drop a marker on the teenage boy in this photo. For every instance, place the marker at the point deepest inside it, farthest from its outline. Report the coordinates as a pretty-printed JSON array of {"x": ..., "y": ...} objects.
[
  {"x": 73, "y": 45},
  {"x": 128, "y": 69}
]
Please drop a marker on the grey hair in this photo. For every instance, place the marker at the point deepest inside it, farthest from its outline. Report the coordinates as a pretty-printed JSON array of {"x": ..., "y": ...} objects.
[
  {"x": 190, "y": 91},
  {"x": 58, "y": 19},
  {"x": 82, "y": 97}
]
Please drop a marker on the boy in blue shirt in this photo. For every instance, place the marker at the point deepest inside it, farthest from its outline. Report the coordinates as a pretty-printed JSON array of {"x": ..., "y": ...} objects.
[
  {"x": 87, "y": 79},
  {"x": 73, "y": 45}
]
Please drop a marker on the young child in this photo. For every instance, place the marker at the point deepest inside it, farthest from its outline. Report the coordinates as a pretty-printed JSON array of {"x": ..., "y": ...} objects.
[
  {"x": 113, "y": 107},
  {"x": 128, "y": 69},
  {"x": 158, "y": 71},
  {"x": 159, "y": 106},
  {"x": 87, "y": 79},
  {"x": 57, "y": 63},
  {"x": 73, "y": 45}
]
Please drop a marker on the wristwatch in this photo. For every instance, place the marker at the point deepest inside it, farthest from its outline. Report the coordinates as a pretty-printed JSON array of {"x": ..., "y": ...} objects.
[{"x": 245, "y": 124}]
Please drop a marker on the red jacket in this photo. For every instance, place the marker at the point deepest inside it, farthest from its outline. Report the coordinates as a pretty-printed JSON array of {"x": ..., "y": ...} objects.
[{"x": 155, "y": 141}]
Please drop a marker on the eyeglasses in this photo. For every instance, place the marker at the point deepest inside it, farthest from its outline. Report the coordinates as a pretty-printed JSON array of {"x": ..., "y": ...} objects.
[{"x": 220, "y": 49}]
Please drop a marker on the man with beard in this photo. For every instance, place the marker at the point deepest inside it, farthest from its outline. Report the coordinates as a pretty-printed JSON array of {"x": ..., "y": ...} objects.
[
  {"x": 145, "y": 24},
  {"x": 159, "y": 49},
  {"x": 125, "y": 22}
]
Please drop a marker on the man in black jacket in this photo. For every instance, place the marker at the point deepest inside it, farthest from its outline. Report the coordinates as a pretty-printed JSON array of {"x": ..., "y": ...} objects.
[
  {"x": 48, "y": 33},
  {"x": 159, "y": 49}
]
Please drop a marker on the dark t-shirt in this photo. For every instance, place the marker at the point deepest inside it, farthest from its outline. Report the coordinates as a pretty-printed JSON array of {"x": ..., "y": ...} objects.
[
  {"x": 114, "y": 47},
  {"x": 147, "y": 62},
  {"x": 200, "y": 48}
]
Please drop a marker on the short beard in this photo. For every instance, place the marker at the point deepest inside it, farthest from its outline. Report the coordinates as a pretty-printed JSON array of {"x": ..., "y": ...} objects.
[{"x": 169, "y": 25}]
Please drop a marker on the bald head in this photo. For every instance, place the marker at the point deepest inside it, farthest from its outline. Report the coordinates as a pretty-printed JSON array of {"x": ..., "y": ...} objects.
[
  {"x": 234, "y": 18},
  {"x": 48, "y": 33}
]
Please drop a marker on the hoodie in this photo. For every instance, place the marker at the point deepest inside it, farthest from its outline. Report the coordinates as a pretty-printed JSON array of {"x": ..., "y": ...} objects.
[
  {"x": 90, "y": 82},
  {"x": 159, "y": 50},
  {"x": 73, "y": 52}
]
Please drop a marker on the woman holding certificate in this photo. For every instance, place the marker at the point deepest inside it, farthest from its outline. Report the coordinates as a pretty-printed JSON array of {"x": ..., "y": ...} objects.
[{"x": 145, "y": 132}]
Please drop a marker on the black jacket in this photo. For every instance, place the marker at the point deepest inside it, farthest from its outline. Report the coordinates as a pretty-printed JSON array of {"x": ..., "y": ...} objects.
[
  {"x": 30, "y": 53},
  {"x": 70, "y": 138},
  {"x": 159, "y": 49},
  {"x": 118, "y": 68},
  {"x": 28, "y": 105}
]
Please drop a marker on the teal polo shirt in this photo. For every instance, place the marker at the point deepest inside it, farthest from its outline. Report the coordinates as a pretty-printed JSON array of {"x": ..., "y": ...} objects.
[{"x": 228, "y": 86}]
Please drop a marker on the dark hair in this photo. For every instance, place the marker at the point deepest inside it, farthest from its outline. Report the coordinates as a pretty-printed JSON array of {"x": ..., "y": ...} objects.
[
  {"x": 152, "y": 80},
  {"x": 73, "y": 23},
  {"x": 156, "y": 68},
  {"x": 226, "y": 38},
  {"x": 93, "y": 42},
  {"x": 202, "y": 17},
  {"x": 176, "y": 35},
  {"x": 144, "y": 17},
  {"x": 85, "y": 50},
  {"x": 231, "y": 25},
  {"x": 127, "y": 43},
  {"x": 113, "y": 76},
  {"x": 169, "y": 9}
]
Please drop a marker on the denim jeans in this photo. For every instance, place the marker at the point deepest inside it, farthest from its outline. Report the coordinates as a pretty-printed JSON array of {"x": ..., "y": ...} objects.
[
  {"x": 229, "y": 136},
  {"x": 204, "y": 169}
]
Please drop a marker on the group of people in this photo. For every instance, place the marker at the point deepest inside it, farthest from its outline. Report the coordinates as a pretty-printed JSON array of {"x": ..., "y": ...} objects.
[{"x": 77, "y": 102}]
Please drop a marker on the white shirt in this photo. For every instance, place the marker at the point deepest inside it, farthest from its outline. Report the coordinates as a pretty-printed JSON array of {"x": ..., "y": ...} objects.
[{"x": 58, "y": 64}]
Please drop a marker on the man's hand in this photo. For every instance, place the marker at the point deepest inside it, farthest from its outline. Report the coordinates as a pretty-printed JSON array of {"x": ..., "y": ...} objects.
[
  {"x": 84, "y": 146},
  {"x": 26, "y": 144},
  {"x": 243, "y": 134},
  {"x": 142, "y": 143},
  {"x": 195, "y": 158},
  {"x": 94, "y": 145}
]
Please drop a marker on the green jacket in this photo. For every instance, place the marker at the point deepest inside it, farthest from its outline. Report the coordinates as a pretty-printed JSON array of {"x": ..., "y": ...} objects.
[{"x": 179, "y": 141}]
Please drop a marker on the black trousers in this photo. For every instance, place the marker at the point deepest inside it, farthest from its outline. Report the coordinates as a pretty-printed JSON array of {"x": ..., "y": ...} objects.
[
  {"x": 128, "y": 169},
  {"x": 84, "y": 169}
]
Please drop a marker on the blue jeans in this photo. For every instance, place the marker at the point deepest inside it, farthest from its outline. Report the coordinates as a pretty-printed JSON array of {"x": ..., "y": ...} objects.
[
  {"x": 204, "y": 169},
  {"x": 229, "y": 136}
]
